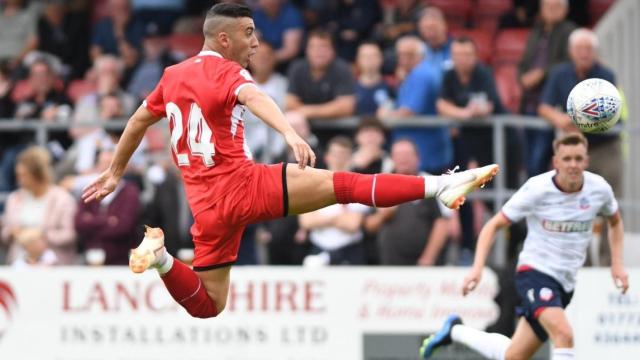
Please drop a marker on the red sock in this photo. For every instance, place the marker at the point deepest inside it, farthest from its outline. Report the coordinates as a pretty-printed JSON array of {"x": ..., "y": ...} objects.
[
  {"x": 187, "y": 289},
  {"x": 380, "y": 190}
]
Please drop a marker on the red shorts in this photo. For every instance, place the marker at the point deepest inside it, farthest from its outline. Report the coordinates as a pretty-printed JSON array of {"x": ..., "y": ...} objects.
[{"x": 259, "y": 196}]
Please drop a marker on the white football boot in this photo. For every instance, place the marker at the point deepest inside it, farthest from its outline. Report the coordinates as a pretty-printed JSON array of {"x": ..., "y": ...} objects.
[
  {"x": 452, "y": 187},
  {"x": 149, "y": 252}
]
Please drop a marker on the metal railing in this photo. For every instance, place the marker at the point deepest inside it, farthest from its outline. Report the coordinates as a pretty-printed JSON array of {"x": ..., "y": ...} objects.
[{"x": 499, "y": 194}]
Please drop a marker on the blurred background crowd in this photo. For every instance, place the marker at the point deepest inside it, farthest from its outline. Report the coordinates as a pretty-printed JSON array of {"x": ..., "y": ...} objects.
[{"x": 83, "y": 64}]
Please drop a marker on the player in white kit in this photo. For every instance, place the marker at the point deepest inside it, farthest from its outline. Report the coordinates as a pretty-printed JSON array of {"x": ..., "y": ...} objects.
[{"x": 559, "y": 207}]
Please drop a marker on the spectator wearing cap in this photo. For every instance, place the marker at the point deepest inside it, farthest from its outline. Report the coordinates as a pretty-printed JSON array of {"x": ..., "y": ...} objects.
[{"x": 155, "y": 58}]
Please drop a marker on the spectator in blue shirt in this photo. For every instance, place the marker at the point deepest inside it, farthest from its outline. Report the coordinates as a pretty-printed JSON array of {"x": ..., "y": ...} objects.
[
  {"x": 417, "y": 95},
  {"x": 119, "y": 34},
  {"x": 432, "y": 27},
  {"x": 605, "y": 154},
  {"x": 281, "y": 24},
  {"x": 371, "y": 89}
]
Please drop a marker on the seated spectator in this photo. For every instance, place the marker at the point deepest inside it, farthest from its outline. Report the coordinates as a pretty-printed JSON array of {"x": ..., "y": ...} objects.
[
  {"x": 321, "y": 85},
  {"x": 370, "y": 157},
  {"x": 417, "y": 95},
  {"x": 111, "y": 224},
  {"x": 546, "y": 47},
  {"x": 469, "y": 93},
  {"x": 371, "y": 89},
  {"x": 64, "y": 34},
  {"x": 34, "y": 250},
  {"x": 522, "y": 14},
  {"x": 335, "y": 231},
  {"x": 280, "y": 24},
  {"x": 39, "y": 209},
  {"x": 265, "y": 143},
  {"x": 18, "y": 35},
  {"x": 413, "y": 233},
  {"x": 155, "y": 58},
  {"x": 107, "y": 73},
  {"x": 605, "y": 150},
  {"x": 432, "y": 28},
  {"x": 120, "y": 34},
  {"x": 46, "y": 103}
]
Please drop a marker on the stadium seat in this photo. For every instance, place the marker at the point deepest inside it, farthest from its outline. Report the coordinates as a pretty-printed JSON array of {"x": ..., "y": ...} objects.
[
  {"x": 597, "y": 8},
  {"x": 457, "y": 12},
  {"x": 486, "y": 14},
  {"x": 78, "y": 88},
  {"x": 509, "y": 46},
  {"x": 185, "y": 45},
  {"x": 509, "y": 89},
  {"x": 483, "y": 40}
]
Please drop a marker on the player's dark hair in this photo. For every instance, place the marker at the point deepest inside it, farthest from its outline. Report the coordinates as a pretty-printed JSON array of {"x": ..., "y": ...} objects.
[
  {"x": 341, "y": 141},
  {"x": 570, "y": 139},
  {"x": 230, "y": 10}
]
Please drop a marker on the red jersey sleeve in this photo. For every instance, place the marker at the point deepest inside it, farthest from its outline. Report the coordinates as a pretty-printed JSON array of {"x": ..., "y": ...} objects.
[
  {"x": 237, "y": 78},
  {"x": 155, "y": 101}
]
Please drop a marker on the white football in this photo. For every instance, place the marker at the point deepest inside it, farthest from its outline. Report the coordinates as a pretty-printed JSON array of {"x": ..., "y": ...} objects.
[{"x": 594, "y": 105}]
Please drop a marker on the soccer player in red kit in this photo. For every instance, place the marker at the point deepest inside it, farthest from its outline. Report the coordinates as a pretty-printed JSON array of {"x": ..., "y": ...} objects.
[{"x": 204, "y": 98}]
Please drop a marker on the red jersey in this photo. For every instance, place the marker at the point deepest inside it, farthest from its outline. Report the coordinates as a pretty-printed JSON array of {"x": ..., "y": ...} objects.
[{"x": 199, "y": 96}]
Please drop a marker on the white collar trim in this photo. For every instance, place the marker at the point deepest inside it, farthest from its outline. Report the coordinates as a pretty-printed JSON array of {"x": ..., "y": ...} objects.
[{"x": 209, "y": 53}]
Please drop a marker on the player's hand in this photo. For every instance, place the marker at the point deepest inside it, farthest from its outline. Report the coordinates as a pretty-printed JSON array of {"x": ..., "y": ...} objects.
[
  {"x": 471, "y": 281},
  {"x": 301, "y": 150},
  {"x": 104, "y": 185},
  {"x": 620, "y": 277}
]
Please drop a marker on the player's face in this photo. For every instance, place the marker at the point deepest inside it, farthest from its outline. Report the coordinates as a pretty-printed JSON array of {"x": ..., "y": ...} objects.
[
  {"x": 570, "y": 162},
  {"x": 243, "y": 42}
]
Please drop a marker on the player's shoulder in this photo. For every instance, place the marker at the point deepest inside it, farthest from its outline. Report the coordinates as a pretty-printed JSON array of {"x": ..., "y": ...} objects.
[
  {"x": 541, "y": 181},
  {"x": 595, "y": 181}
]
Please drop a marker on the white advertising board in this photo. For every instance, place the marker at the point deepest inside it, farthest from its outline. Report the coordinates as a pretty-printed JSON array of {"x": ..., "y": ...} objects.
[{"x": 272, "y": 313}]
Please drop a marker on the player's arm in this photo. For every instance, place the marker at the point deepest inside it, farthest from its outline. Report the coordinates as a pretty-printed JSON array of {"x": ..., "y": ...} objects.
[
  {"x": 485, "y": 242},
  {"x": 616, "y": 234},
  {"x": 129, "y": 141},
  {"x": 266, "y": 109}
]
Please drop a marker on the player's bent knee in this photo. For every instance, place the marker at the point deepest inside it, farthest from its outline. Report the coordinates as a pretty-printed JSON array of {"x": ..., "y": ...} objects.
[{"x": 562, "y": 337}]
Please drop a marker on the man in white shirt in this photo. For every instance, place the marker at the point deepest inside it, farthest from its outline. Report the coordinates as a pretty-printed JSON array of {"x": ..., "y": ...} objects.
[
  {"x": 335, "y": 231},
  {"x": 559, "y": 207}
]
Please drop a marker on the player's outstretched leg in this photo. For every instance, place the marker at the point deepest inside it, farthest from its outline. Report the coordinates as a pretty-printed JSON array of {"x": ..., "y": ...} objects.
[
  {"x": 490, "y": 345},
  {"x": 184, "y": 285},
  {"x": 441, "y": 338},
  {"x": 384, "y": 190}
]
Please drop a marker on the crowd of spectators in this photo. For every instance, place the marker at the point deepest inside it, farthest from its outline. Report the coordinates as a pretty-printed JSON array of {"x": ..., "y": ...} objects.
[{"x": 84, "y": 63}]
